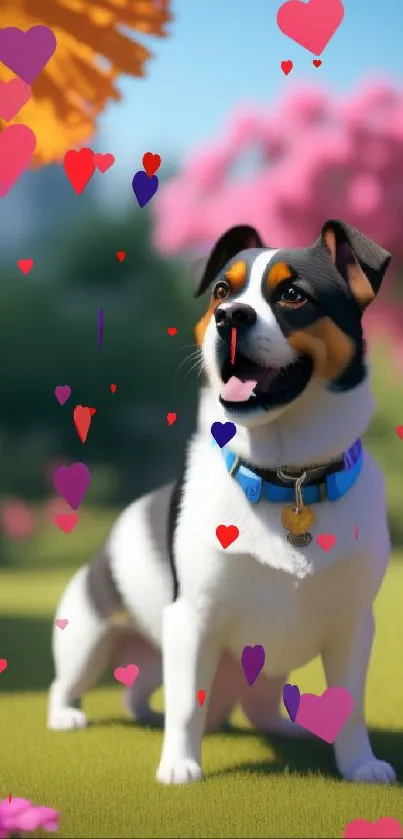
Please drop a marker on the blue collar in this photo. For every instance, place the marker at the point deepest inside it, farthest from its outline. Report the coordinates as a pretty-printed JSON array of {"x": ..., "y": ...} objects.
[{"x": 333, "y": 486}]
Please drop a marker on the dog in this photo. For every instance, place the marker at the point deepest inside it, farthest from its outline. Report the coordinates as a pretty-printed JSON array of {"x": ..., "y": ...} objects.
[{"x": 284, "y": 356}]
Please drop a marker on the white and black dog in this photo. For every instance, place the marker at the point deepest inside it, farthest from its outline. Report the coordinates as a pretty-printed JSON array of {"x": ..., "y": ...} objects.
[{"x": 283, "y": 349}]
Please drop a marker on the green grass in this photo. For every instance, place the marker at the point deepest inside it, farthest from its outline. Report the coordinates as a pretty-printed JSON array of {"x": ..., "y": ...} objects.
[{"x": 102, "y": 779}]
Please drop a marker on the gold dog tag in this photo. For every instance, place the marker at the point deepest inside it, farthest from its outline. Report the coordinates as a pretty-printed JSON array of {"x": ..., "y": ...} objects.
[{"x": 297, "y": 518}]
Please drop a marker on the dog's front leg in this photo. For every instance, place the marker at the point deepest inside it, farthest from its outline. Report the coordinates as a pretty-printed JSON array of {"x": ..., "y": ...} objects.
[
  {"x": 190, "y": 659},
  {"x": 346, "y": 662}
]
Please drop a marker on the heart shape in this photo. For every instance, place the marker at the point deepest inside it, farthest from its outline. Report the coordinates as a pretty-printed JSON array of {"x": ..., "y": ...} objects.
[
  {"x": 82, "y": 416},
  {"x": 326, "y": 541},
  {"x": 121, "y": 255},
  {"x": 3, "y": 664},
  {"x": 399, "y": 431},
  {"x": 291, "y": 699},
  {"x": 113, "y": 388},
  {"x": 17, "y": 146},
  {"x": 72, "y": 482},
  {"x": 223, "y": 432},
  {"x": 144, "y": 187},
  {"x": 316, "y": 62},
  {"x": 62, "y": 393},
  {"x": 103, "y": 162},
  {"x": 226, "y": 535},
  {"x": 66, "y": 521},
  {"x": 126, "y": 675},
  {"x": 79, "y": 167},
  {"x": 386, "y": 828},
  {"x": 25, "y": 265},
  {"x": 172, "y": 330},
  {"x": 201, "y": 697},
  {"x": 61, "y": 623},
  {"x": 311, "y": 24},
  {"x": 325, "y": 715},
  {"x": 26, "y": 53},
  {"x": 151, "y": 163},
  {"x": 253, "y": 659},
  {"x": 13, "y": 96},
  {"x": 171, "y": 418},
  {"x": 286, "y": 67}
]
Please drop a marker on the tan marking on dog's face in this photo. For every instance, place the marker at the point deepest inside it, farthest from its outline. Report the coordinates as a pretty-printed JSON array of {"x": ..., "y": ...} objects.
[
  {"x": 201, "y": 326},
  {"x": 279, "y": 272},
  {"x": 236, "y": 275},
  {"x": 329, "y": 347}
]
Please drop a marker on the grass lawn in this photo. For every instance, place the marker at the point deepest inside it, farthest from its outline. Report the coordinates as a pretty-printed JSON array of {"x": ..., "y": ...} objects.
[{"x": 102, "y": 779}]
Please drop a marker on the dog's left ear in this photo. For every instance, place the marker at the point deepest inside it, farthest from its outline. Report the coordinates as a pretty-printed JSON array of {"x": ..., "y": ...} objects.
[
  {"x": 361, "y": 262},
  {"x": 236, "y": 239}
]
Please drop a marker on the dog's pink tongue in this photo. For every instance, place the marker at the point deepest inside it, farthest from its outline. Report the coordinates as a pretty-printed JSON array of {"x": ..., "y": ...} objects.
[{"x": 236, "y": 391}]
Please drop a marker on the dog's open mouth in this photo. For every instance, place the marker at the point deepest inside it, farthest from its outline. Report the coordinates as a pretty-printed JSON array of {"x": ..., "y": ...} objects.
[{"x": 247, "y": 385}]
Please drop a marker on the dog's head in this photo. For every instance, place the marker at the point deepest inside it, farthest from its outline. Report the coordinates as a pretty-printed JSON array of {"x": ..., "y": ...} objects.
[{"x": 277, "y": 319}]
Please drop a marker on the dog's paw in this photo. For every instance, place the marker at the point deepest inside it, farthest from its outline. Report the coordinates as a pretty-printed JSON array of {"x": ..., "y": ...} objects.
[
  {"x": 66, "y": 719},
  {"x": 179, "y": 771},
  {"x": 373, "y": 771}
]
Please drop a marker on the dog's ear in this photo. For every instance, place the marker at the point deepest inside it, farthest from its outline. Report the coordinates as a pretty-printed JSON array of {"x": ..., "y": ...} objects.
[
  {"x": 361, "y": 262},
  {"x": 236, "y": 239}
]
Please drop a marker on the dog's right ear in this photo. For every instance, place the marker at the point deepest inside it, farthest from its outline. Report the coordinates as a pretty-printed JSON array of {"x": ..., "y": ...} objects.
[{"x": 235, "y": 240}]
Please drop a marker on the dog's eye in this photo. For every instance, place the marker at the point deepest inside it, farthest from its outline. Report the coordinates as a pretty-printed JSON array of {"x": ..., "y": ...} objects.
[
  {"x": 221, "y": 290},
  {"x": 291, "y": 298}
]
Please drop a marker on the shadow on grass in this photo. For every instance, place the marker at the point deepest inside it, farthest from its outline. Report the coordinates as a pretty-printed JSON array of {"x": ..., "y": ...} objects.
[{"x": 25, "y": 643}]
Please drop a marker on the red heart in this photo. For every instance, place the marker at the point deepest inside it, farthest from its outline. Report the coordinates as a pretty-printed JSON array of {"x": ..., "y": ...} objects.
[
  {"x": 316, "y": 62},
  {"x": 399, "y": 431},
  {"x": 25, "y": 265},
  {"x": 172, "y": 330},
  {"x": 151, "y": 163},
  {"x": 386, "y": 828},
  {"x": 82, "y": 421},
  {"x": 103, "y": 162},
  {"x": 92, "y": 411},
  {"x": 286, "y": 67},
  {"x": 13, "y": 96},
  {"x": 17, "y": 145},
  {"x": 66, "y": 521},
  {"x": 227, "y": 535},
  {"x": 3, "y": 664},
  {"x": 310, "y": 24},
  {"x": 171, "y": 418},
  {"x": 326, "y": 541},
  {"x": 201, "y": 696},
  {"x": 79, "y": 167},
  {"x": 113, "y": 388},
  {"x": 121, "y": 255}
]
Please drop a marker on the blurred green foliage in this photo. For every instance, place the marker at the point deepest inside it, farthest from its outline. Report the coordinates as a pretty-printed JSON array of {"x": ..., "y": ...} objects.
[{"x": 49, "y": 337}]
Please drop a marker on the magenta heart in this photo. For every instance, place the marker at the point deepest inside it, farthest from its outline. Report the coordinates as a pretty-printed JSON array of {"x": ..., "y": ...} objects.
[
  {"x": 62, "y": 393},
  {"x": 72, "y": 482},
  {"x": 17, "y": 145},
  {"x": 325, "y": 715},
  {"x": 26, "y": 53},
  {"x": 13, "y": 96}
]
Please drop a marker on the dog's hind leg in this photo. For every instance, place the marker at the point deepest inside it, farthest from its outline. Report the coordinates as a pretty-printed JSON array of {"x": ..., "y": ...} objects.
[
  {"x": 134, "y": 649},
  {"x": 224, "y": 693},
  {"x": 83, "y": 649},
  {"x": 261, "y": 705}
]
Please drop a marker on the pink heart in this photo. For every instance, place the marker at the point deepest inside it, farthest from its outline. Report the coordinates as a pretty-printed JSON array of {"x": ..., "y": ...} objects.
[
  {"x": 386, "y": 828},
  {"x": 17, "y": 146},
  {"x": 126, "y": 675},
  {"x": 13, "y": 96},
  {"x": 103, "y": 162},
  {"x": 3, "y": 664},
  {"x": 399, "y": 431},
  {"x": 311, "y": 24},
  {"x": 25, "y": 265},
  {"x": 326, "y": 541},
  {"x": 61, "y": 623},
  {"x": 66, "y": 521},
  {"x": 325, "y": 715}
]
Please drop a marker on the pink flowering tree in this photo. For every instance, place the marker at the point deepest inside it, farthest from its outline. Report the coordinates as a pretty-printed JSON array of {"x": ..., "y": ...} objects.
[{"x": 287, "y": 169}]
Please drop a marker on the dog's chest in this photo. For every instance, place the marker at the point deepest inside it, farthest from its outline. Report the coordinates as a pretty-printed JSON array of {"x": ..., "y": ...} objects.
[{"x": 260, "y": 590}]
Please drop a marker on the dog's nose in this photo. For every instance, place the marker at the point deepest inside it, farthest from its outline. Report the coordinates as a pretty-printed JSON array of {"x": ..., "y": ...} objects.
[{"x": 239, "y": 315}]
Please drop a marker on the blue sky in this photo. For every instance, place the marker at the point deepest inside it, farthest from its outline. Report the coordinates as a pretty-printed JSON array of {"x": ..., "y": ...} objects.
[{"x": 221, "y": 52}]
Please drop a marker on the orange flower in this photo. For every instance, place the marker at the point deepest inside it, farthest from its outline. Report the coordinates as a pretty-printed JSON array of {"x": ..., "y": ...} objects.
[{"x": 91, "y": 53}]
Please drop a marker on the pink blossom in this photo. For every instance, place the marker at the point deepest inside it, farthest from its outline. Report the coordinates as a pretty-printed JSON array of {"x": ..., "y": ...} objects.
[
  {"x": 20, "y": 816},
  {"x": 316, "y": 156},
  {"x": 17, "y": 519}
]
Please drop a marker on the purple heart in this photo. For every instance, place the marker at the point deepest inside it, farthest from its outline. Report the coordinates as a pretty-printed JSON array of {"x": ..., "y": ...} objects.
[
  {"x": 223, "y": 432},
  {"x": 72, "y": 482},
  {"x": 26, "y": 53},
  {"x": 252, "y": 659},
  {"x": 291, "y": 699},
  {"x": 62, "y": 393},
  {"x": 144, "y": 187}
]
